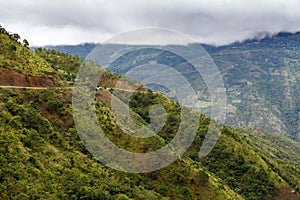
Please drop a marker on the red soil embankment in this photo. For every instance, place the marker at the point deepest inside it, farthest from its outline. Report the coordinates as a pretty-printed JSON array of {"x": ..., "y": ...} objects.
[{"x": 9, "y": 77}]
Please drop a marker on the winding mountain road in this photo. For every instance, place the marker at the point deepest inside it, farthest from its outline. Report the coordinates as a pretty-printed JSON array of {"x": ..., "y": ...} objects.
[
  {"x": 58, "y": 88},
  {"x": 34, "y": 88}
]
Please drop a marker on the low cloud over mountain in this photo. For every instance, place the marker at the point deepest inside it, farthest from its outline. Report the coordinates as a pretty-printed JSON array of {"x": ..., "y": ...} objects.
[{"x": 215, "y": 21}]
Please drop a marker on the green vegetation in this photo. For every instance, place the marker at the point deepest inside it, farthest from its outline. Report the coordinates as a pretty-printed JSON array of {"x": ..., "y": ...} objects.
[
  {"x": 19, "y": 57},
  {"x": 42, "y": 156},
  {"x": 61, "y": 61},
  {"x": 261, "y": 78}
]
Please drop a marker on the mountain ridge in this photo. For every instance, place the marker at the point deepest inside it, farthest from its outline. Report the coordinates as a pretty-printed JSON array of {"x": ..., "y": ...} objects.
[{"x": 86, "y": 47}]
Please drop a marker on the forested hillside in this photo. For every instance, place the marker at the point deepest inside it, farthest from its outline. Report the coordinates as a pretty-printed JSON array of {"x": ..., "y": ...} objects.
[
  {"x": 42, "y": 156},
  {"x": 260, "y": 75}
]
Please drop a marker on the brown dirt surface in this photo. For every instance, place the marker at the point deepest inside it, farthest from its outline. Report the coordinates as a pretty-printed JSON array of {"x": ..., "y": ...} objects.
[
  {"x": 287, "y": 193},
  {"x": 9, "y": 77}
]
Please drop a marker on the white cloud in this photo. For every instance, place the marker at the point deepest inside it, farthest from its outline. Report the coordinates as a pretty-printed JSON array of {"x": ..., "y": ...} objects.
[{"x": 213, "y": 21}]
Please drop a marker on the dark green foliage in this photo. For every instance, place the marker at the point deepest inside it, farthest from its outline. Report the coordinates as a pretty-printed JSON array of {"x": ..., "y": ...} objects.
[
  {"x": 12, "y": 48},
  {"x": 25, "y": 43},
  {"x": 203, "y": 177},
  {"x": 141, "y": 102},
  {"x": 53, "y": 106},
  {"x": 258, "y": 185}
]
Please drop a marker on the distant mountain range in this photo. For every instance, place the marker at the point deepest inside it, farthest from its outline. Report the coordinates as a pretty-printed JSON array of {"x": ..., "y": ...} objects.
[
  {"x": 81, "y": 50},
  {"x": 261, "y": 77}
]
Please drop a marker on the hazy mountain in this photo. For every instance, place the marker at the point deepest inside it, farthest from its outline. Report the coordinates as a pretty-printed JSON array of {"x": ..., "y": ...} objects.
[{"x": 81, "y": 50}]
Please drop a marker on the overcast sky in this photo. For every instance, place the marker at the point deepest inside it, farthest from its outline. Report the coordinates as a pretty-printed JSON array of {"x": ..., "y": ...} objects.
[{"x": 219, "y": 22}]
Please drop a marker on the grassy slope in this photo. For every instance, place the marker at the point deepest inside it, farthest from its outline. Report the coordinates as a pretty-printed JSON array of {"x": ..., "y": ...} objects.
[{"x": 18, "y": 57}]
